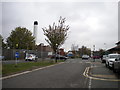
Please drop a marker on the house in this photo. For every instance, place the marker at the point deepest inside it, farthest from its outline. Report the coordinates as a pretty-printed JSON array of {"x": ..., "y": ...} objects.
[
  {"x": 115, "y": 49},
  {"x": 61, "y": 51},
  {"x": 44, "y": 48}
]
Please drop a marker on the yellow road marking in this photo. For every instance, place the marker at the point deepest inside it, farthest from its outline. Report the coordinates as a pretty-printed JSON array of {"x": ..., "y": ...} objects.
[
  {"x": 104, "y": 76},
  {"x": 96, "y": 78}
]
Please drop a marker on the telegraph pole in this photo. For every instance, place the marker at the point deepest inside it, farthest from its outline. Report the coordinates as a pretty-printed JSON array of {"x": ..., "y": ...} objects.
[{"x": 93, "y": 53}]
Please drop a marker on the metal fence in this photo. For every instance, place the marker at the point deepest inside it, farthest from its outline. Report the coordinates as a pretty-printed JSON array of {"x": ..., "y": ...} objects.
[{"x": 9, "y": 54}]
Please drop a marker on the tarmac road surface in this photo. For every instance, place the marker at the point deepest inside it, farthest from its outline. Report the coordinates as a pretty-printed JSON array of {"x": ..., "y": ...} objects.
[{"x": 73, "y": 73}]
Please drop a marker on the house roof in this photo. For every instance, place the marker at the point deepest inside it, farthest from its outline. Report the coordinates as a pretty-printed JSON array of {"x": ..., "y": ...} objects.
[
  {"x": 117, "y": 48},
  {"x": 118, "y": 43}
]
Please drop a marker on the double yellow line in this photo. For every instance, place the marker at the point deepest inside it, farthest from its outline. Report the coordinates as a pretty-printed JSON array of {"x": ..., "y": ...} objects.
[{"x": 86, "y": 74}]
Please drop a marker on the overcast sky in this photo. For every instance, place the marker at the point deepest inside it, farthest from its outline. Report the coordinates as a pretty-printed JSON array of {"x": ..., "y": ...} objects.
[{"x": 91, "y": 23}]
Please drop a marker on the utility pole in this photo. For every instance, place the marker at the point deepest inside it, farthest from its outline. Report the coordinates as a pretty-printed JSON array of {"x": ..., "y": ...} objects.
[
  {"x": 105, "y": 46},
  {"x": 93, "y": 53}
]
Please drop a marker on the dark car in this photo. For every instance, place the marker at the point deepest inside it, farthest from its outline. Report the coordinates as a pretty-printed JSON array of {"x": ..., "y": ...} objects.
[
  {"x": 59, "y": 57},
  {"x": 96, "y": 57}
]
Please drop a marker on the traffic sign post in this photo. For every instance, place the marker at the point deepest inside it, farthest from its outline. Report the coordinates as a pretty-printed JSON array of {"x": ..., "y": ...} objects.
[{"x": 16, "y": 56}]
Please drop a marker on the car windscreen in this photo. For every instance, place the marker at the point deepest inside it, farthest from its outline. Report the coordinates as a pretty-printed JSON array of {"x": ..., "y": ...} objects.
[
  {"x": 114, "y": 56},
  {"x": 28, "y": 55},
  {"x": 84, "y": 55},
  {"x": 104, "y": 56}
]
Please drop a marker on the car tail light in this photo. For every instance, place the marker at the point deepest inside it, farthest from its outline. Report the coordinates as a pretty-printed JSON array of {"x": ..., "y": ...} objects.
[{"x": 30, "y": 56}]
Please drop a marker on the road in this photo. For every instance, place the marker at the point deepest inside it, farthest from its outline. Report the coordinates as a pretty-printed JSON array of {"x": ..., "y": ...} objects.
[{"x": 73, "y": 73}]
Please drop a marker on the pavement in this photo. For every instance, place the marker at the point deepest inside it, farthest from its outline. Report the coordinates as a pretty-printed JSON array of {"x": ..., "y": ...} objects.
[{"x": 73, "y": 73}]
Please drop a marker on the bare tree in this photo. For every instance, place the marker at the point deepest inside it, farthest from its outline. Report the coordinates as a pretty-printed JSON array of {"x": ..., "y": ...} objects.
[{"x": 56, "y": 34}]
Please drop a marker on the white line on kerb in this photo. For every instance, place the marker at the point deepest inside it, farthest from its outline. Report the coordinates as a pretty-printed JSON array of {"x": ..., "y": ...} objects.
[
  {"x": 96, "y": 78},
  {"x": 90, "y": 80},
  {"x": 6, "y": 77},
  {"x": 90, "y": 83}
]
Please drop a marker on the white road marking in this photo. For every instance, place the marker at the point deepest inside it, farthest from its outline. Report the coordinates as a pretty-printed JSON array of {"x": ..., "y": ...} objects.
[
  {"x": 96, "y": 78},
  {"x": 10, "y": 76},
  {"x": 90, "y": 83},
  {"x": 14, "y": 75}
]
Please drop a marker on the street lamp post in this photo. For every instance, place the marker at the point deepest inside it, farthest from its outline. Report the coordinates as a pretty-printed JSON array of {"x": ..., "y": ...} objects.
[
  {"x": 105, "y": 48},
  {"x": 56, "y": 53},
  {"x": 42, "y": 45},
  {"x": 16, "y": 55}
]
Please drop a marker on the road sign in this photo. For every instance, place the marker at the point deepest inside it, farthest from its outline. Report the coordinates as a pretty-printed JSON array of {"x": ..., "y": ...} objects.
[{"x": 17, "y": 54}]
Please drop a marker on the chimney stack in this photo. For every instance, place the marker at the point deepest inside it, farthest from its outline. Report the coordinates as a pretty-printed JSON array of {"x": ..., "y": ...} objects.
[{"x": 35, "y": 30}]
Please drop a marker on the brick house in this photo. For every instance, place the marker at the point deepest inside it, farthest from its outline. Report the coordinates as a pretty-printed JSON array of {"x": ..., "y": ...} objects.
[{"x": 44, "y": 48}]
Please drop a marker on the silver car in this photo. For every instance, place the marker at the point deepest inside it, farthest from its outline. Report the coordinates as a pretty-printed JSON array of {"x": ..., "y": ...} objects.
[
  {"x": 104, "y": 58},
  {"x": 111, "y": 58},
  {"x": 85, "y": 57},
  {"x": 116, "y": 65}
]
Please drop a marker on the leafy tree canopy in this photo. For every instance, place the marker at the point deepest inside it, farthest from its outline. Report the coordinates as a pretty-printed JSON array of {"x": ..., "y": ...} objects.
[
  {"x": 2, "y": 44},
  {"x": 56, "y": 34},
  {"x": 21, "y": 38}
]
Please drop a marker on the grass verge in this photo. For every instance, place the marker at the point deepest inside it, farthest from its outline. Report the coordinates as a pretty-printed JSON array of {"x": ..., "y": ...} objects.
[{"x": 8, "y": 69}]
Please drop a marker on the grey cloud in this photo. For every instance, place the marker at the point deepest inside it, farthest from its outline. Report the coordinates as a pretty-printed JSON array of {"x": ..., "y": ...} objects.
[{"x": 90, "y": 22}]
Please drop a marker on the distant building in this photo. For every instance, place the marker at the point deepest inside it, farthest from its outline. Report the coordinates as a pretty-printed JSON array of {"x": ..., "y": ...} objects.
[
  {"x": 84, "y": 51},
  {"x": 61, "y": 51},
  {"x": 115, "y": 49},
  {"x": 44, "y": 48}
]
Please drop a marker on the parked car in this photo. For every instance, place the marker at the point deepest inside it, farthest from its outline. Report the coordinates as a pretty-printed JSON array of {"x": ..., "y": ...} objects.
[
  {"x": 111, "y": 59},
  {"x": 59, "y": 57},
  {"x": 85, "y": 57},
  {"x": 31, "y": 57},
  {"x": 2, "y": 57},
  {"x": 116, "y": 65},
  {"x": 104, "y": 58},
  {"x": 96, "y": 57}
]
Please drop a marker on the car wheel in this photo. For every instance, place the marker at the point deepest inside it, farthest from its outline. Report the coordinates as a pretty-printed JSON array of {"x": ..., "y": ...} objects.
[
  {"x": 106, "y": 65},
  {"x": 112, "y": 67},
  {"x": 114, "y": 70},
  {"x": 109, "y": 66},
  {"x": 102, "y": 61}
]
